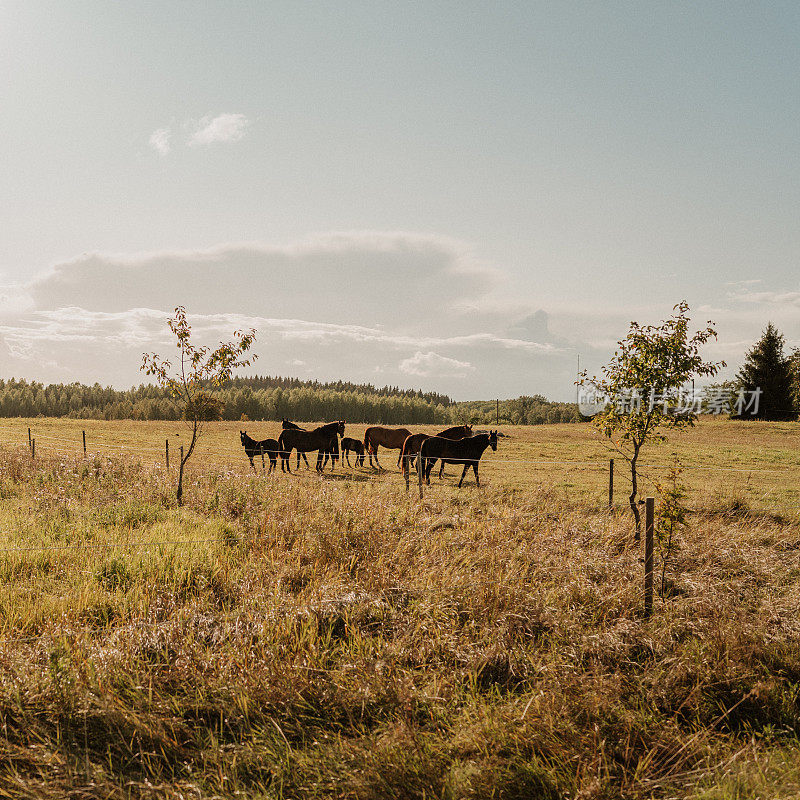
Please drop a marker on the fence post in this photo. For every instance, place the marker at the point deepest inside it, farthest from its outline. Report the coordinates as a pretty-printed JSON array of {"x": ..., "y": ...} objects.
[
  {"x": 167, "y": 451},
  {"x": 33, "y": 448},
  {"x": 611, "y": 485},
  {"x": 649, "y": 526},
  {"x": 29, "y": 439},
  {"x": 420, "y": 470},
  {"x": 84, "y": 443}
]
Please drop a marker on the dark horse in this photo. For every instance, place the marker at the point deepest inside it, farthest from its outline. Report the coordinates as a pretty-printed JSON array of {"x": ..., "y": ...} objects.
[
  {"x": 355, "y": 446},
  {"x": 324, "y": 439},
  {"x": 391, "y": 438},
  {"x": 459, "y": 432},
  {"x": 459, "y": 451},
  {"x": 408, "y": 454},
  {"x": 290, "y": 426},
  {"x": 255, "y": 448}
]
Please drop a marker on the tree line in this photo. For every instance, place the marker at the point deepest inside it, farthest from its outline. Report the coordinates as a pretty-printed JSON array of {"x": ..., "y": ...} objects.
[{"x": 268, "y": 398}]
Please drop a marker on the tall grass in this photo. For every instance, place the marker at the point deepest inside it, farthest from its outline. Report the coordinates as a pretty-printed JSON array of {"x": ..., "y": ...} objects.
[{"x": 307, "y": 637}]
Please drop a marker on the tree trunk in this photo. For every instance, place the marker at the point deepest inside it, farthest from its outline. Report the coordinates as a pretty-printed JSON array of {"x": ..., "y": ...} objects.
[
  {"x": 637, "y": 534},
  {"x": 179, "y": 493}
]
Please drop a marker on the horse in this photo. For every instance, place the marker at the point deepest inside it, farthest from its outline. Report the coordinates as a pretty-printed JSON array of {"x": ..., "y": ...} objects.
[
  {"x": 391, "y": 438},
  {"x": 324, "y": 438},
  {"x": 408, "y": 453},
  {"x": 355, "y": 446},
  {"x": 458, "y": 432},
  {"x": 290, "y": 426},
  {"x": 255, "y": 448},
  {"x": 456, "y": 451}
]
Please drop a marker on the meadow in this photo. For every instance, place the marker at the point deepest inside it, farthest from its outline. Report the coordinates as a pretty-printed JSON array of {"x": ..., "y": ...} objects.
[{"x": 332, "y": 636}]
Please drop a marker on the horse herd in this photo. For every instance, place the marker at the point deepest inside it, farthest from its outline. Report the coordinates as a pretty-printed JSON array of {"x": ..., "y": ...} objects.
[{"x": 455, "y": 445}]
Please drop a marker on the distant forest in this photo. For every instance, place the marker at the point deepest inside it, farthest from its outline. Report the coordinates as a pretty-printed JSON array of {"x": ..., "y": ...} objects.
[{"x": 273, "y": 398}]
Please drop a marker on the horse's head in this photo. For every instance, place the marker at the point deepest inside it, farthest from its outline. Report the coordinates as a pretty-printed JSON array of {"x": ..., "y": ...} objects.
[
  {"x": 467, "y": 431},
  {"x": 493, "y": 440},
  {"x": 243, "y": 436},
  {"x": 340, "y": 427}
]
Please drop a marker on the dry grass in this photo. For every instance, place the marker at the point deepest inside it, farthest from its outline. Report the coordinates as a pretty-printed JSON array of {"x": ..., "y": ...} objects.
[{"x": 307, "y": 637}]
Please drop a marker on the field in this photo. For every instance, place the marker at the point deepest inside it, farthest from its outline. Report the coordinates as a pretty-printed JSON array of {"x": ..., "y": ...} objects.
[{"x": 307, "y": 636}]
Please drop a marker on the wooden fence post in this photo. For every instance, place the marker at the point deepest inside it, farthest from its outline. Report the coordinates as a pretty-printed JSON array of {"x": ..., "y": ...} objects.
[
  {"x": 611, "y": 485},
  {"x": 167, "y": 451},
  {"x": 649, "y": 526},
  {"x": 29, "y": 439},
  {"x": 33, "y": 448},
  {"x": 84, "y": 443}
]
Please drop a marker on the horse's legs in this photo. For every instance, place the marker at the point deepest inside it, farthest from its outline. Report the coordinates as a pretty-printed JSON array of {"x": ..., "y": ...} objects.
[
  {"x": 251, "y": 462},
  {"x": 466, "y": 467},
  {"x": 263, "y": 465},
  {"x": 441, "y": 470},
  {"x": 475, "y": 470},
  {"x": 304, "y": 459}
]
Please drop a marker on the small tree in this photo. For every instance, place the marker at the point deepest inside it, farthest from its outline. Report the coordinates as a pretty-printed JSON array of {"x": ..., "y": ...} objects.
[
  {"x": 672, "y": 513},
  {"x": 642, "y": 384},
  {"x": 767, "y": 371},
  {"x": 199, "y": 371}
]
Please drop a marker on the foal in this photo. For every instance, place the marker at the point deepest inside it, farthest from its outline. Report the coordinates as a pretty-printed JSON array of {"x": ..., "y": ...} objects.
[
  {"x": 355, "y": 446},
  {"x": 256, "y": 448}
]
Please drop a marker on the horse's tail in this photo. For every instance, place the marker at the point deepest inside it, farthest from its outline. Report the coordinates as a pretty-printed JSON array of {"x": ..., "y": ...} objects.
[
  {"x": 282, "y": 451},
  {"x": 367, "y": 444}
]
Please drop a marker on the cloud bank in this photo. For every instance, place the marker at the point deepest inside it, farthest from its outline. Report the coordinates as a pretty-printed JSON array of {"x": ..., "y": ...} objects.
[{"x": 385, "y": 307}]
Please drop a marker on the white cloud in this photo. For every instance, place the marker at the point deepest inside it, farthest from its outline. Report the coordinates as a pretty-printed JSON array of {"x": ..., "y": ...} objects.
[
  {"x": 789, "y": 300},
  {"x": 222, "y": 128},
  {"x": 431, "y": 364},
  {"x": 159, "y": 140}
]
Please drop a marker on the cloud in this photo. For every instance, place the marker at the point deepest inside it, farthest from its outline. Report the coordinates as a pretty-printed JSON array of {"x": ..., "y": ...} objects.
[
  {"x": 159, "y": 140},
  {"x": 222, "y": 128},
  {"x": 341, "y": 305},
  {"x": 788, "y": 300},
  {"x": 432, "y": 364}
]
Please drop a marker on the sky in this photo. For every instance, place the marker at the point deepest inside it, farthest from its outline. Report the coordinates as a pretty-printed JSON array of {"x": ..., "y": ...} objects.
[{"x": 461, "y": 197}]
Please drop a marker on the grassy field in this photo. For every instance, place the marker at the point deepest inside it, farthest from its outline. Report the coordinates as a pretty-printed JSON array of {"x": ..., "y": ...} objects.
[{"x": 307, "y": 636}]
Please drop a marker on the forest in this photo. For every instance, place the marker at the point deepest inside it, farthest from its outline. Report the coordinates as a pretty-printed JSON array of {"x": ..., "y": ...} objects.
[{"x": 273, "y": 398}]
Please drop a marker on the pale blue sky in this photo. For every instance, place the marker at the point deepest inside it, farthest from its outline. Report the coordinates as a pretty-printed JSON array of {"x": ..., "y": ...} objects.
[{"x": 597, "y": 162}]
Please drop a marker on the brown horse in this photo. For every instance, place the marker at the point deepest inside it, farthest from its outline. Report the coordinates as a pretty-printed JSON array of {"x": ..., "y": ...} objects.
[
  {"x": 390, "y": 438},
  {"x": 409, "y": 451}
]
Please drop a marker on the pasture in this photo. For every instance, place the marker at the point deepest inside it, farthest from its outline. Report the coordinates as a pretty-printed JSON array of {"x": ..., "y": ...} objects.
[{"x": 332, "y": 636}]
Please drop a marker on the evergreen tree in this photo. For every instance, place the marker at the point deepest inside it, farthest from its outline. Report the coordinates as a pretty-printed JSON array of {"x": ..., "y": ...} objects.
[
  {"x": 794, "y": 364},
  {"x": 768, "y": 370}
]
